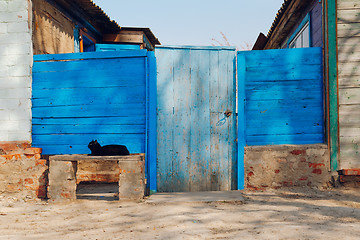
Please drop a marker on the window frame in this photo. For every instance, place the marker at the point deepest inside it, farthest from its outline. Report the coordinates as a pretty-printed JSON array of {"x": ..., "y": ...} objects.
[{"x": 306, "y": 22}]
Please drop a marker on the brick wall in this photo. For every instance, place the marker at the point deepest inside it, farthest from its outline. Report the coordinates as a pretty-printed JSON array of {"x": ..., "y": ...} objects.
[
  {"x": 15, "y": 70},
  {"x": 22, "y": 171},
  {"x": 287, "y": 166}
]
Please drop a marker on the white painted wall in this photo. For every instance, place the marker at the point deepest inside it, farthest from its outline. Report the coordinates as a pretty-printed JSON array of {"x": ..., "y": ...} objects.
[{"x": 15, "y": 70}]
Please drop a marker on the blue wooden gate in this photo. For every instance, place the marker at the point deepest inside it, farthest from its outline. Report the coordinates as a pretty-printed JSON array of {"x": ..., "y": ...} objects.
[
  {"x": 196, "y": 144},
  {"x": 281, "y": 94},
  {"x": 97, "y": 95}
]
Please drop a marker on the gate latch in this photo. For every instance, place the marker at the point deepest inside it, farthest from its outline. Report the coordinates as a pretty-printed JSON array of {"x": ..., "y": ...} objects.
[{"x": 227, "y": 113}]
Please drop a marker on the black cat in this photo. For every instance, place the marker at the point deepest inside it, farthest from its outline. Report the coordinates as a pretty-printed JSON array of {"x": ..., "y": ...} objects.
[{"x": 107, "y": 150}]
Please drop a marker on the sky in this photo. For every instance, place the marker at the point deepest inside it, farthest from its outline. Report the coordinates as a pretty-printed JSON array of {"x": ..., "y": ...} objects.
[{"x": 197, "y": 22}]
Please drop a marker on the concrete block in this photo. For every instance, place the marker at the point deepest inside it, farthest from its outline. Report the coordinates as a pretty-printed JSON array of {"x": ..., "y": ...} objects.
[
  {"x": 62, "y": 180},
  {"x": 23, "y": 50},
  {"x": 132, "y": 179},
  {"x": 16, "y": 5}
]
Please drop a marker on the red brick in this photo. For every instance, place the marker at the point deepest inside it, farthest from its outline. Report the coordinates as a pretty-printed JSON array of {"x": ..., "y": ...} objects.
[
  {"x": 40, "y": 162},
  {"x": 316, "y": 165},
  {"x": 277, "y": 171},
  {"x": 302, "y": 159},
  {"x": 303, "y": 178},
  {"x": 29, "y": 181},
  {"x": 32, "y": 151},
  {"x": 317, "y": 171},
  {"x": 250, "y": 174},
  {"x": 65, "y": 195},
  {"x": 298, "y": 152},
  {"x": 287, "y": 184}
]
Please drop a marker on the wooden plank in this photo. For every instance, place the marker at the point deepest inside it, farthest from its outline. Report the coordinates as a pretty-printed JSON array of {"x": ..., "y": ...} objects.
[
  {"x": 241, "y": 68},
  {"x": 349, "y": 96},
  {"x": 349, "y": 15},
  {"x": 284, "y": 139},
  {"x": 83, "y": 157},
  {"x": 216, "y": 114},
  {"x": 90, "y": 55},
  {"x": 347, "y": 4},
  {"x": 331, "y": 53},
  {"x": 88, "y": 129},
  {"x": 288, "y": 72},
  {"x": 122, "y": 64},
  {"x": 200, "y": 120},
  {"x": 305, "y": 56},
  {"x": 83, "y": 92},
  {"x": 165, "y": 119},
  {"x": 182, "y": 125},
  {"x": 135, "y": 120},
  {"x": 111, "y": 110},
  {"x": 152, "y": 134},
  {"x": 348, "y": 29}
]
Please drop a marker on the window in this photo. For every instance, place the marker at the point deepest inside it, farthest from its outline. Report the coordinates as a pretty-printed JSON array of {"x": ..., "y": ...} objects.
[{"x": 301, "y": 37}]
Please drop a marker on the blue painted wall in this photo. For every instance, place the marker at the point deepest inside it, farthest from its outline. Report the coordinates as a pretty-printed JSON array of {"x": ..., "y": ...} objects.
[
  {"x": 100, "y": 95},
  {"x": 196, "y": 148},
  {"x": 284, "y": 96}
]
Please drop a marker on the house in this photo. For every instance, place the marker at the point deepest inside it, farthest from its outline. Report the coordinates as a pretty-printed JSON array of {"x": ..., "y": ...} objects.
[
  {"x": 332, "y": 25},
  {"x": 29, "y": 27}
]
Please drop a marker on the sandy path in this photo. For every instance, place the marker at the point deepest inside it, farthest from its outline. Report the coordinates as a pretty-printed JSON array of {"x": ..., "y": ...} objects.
[{"x": 296, "y": 214}]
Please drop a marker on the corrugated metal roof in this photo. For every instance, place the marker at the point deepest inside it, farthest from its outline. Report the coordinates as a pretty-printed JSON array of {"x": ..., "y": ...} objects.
[{"x": 278, "y": 17}]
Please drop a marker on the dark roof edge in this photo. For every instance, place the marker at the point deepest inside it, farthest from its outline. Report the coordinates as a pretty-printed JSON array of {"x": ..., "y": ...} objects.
[
  {"x": 260, "y": 42},
  {"x": 278, "y": 17}
]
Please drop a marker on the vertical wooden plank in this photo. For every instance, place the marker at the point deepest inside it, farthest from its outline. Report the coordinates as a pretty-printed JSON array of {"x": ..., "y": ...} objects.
[
  {"x": 224, "y": 97},
  {"x": 165, "y": 118},
  {"x": 200, "y": 120},
  {"x": 215, "y": 116},
  {"x": 182, "y": 125},
  {"x": 331, "y": 49},
  {"x": 241, "y": 68},
  {"x": 152, "y": 136}
]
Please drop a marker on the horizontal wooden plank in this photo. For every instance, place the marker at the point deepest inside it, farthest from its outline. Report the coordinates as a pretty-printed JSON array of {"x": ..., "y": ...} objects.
[
  {"x": 348, "y": 16},
  {"x": 284, "y": 73},
  {"x": 86, "y": 93},
  {"x": 75, "y": 79},
  {"x": 114, "y": 110},
  {"x": 348, "y": 41},
  {"x": 85, "y": 157},
  {"x": 291, "y": 128},
  {"x": 348, "y": 131},
  {"x": 90, "y": 55},
  {"x": 295, "y": 105},
  {"x": 315, "y": 94},
  {"x": 347, "y": 4},
  {"x": 348, "y": 29},
  {"x": 117, "y": 65},
  {"x": 349, "y": 95},
  {"x": 299, "y": 56},
  {"x": 88, "y": 129},
  {"x": 348, "y": 53},
  {"x": 284, "y": 139},
  {"x": 102, "y": 99},
  {"x": 170, "y": 48},
  {"x": 84, "y": 139},
  {"x": 136, "y": 120}
]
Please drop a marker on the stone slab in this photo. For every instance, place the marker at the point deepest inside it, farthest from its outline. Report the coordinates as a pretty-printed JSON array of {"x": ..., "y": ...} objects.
[{"x": 212, "y": 196}]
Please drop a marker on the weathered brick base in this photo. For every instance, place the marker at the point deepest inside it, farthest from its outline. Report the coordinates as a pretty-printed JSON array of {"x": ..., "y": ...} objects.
[
  {"x": 22, "y": 171},
  {"x": 287, "y": 166},
  {"x": 97, "y": 171}
]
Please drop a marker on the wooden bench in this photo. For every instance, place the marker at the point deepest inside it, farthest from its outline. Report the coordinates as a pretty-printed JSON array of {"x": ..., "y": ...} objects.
[{"x": 62, "y": 175}]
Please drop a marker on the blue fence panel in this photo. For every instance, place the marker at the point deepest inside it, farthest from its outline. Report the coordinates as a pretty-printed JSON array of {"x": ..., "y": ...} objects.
[
  {"x": 284, "y": 96},
  {"x": 84, "y": 96}
]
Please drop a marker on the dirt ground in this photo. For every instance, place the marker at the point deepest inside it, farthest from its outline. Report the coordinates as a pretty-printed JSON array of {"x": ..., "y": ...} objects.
[{"x": 281, "y": 214}]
